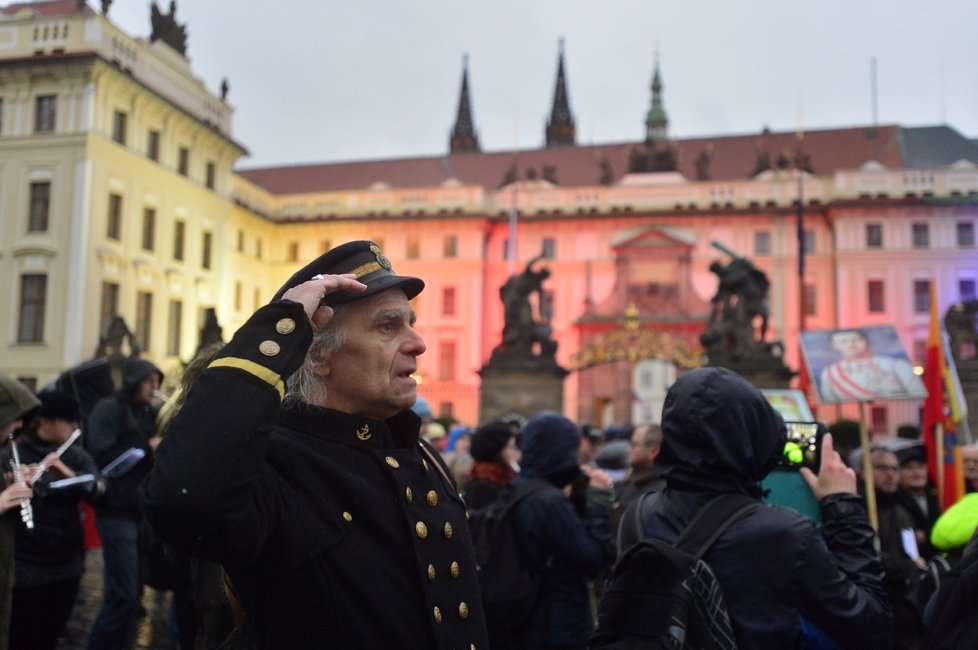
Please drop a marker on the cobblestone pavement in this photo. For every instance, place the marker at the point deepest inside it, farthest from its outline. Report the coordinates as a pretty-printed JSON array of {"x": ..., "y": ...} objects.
[{"x": 152, "y": 629}]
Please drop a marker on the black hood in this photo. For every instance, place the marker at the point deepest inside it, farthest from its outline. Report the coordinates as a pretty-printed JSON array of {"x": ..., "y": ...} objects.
[
  {"x": 550, "y": 446},
  {"x": 135, "y": 371},
  {"x": 719, "y": 434}
]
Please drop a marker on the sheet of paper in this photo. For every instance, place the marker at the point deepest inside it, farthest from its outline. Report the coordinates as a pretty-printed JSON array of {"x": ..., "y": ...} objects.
[
  {"x": 910, "y": 543},
  {"x": 81, "y": 479}
]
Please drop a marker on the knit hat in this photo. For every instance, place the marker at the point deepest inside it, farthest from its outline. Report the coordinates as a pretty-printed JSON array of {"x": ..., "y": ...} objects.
[
  {"x": 15, "y": 400},
  {"x": 916, "y": 452},
  {"x": 489, "y": 440},
  {"x": 59, "y": 406}
]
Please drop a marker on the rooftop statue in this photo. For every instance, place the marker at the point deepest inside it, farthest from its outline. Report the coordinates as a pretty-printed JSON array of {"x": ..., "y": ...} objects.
[{"x": 166, "y": 28}]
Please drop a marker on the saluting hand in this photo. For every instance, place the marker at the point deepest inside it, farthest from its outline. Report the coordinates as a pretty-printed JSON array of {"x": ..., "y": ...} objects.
[{"x": 312, "y": 293}]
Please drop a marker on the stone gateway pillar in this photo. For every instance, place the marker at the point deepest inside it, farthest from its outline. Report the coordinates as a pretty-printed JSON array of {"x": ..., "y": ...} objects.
[{"x": 522, "y": 376}]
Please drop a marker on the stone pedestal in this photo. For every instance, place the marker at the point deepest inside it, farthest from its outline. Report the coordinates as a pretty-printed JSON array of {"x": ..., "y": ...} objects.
[
  {"x": 763, "y": 367},
  {"x": 764, "y": 376},
  {"x": 522, "y": 391}
]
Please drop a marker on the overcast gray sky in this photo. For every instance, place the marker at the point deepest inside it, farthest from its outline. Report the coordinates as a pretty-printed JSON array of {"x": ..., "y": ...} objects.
[{"x": 327, "y": 80}]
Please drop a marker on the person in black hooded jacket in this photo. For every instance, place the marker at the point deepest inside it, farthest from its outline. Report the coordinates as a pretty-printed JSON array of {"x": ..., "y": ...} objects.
[
  {"x": 778, "y": 572},
  {"x": 573, "y": 540},
  {"x": 119, "y": 422}
]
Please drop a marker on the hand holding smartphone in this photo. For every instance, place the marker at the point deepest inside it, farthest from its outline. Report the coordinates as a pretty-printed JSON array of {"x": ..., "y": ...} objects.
[{"x": 834, "y": 476}]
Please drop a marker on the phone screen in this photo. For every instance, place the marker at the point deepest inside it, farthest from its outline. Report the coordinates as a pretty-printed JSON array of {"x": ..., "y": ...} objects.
[{"x": 803, "y": 447}]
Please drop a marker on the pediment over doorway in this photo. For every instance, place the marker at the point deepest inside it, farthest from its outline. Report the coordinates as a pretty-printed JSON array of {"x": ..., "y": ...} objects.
[{"x": 653, "y": 273}]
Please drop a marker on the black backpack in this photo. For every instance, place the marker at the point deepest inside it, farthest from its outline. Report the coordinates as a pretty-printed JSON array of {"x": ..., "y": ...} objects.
[
  {"x": 664, "y": 596},
  {"x": 953, "y": 623},
  {"x": 511, "y": 589}
]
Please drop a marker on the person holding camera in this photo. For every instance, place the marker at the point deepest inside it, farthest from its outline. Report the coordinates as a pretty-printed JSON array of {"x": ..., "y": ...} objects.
[{"x": 782, "y": 578}]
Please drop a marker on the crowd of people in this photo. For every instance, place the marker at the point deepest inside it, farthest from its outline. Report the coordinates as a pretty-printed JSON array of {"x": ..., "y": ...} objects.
[{"x": 297, "y": 494}]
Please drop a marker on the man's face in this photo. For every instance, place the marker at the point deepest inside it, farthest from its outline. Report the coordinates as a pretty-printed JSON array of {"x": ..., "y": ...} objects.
[
  {"x": 849, "y": 344},
  {"x": 641, "y": 454},
  {"x": 969, "y": 456},
  {"x": 886, "y": 471},
  {"x": 370, "y": 375},
  {"x": 146, "y": 391},
  {"x": 913, "y": 476}
]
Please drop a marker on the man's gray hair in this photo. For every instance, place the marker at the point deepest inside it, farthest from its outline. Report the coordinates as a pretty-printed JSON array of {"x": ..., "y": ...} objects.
[{"x": 306, "y": 385}]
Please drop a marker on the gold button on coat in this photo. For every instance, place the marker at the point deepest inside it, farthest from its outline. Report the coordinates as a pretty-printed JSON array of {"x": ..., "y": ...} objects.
[
  {"x": 448, "y": 530},
  {"x": 285, "y": 326},
  {"x": 463, "y": 611},
  {"x": 431, "y": 573},
  {"x": 454, "y": 570},
  {"x": 409, "y": 494},
  {"x": 437, "y": 614},
  {"x": 347, "y": 516},
  {"x": 392, "y": 462},
  {"x": 421, "y": 529},
  {"x": 269, "y": 348},
  {"x": 424, "y": 464},
  {"x": 432, "y": 498}
]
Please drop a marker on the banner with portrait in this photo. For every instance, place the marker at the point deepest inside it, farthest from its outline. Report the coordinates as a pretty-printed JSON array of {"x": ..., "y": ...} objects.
[{"x": 860, "y": 364}]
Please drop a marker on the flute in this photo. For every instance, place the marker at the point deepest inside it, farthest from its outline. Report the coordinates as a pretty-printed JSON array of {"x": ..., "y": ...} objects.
[
  {"x": 60, "y": 450},
  {"x": 26, "y": 511}
]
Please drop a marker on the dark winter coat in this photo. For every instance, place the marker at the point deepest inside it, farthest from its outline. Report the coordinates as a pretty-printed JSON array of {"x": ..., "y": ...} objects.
[
  {"x": 576, "y": 548},
  {"x": 921, "y": 520},
  {"x": 116, "y": 425},
  {"x": 721, "y": 435},
  {"x": 337, "y": 531},
  {"x": 54, "y": 550}
]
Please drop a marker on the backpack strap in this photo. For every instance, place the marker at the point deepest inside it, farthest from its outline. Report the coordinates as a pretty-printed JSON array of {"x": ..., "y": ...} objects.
[
  {"x": 711, "y": 520},
  {"x": 631, "y": 531}
]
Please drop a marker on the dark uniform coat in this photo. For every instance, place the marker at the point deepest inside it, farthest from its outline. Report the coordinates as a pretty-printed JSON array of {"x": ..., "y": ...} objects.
[{"x": 337, "y": 531}]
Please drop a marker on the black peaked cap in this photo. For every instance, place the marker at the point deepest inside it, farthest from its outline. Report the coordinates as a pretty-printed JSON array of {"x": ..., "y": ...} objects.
[{"x": 361, "y": 258}]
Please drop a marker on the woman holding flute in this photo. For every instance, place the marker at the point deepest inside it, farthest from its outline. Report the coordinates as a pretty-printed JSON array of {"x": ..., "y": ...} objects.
[{"x": 49, "y": 559}]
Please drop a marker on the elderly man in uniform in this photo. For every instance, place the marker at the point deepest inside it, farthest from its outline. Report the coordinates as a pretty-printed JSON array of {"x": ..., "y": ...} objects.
[{"x": 337, "y": 524}]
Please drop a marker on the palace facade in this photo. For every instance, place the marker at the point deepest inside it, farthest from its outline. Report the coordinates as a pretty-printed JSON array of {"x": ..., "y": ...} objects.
[{"x": 120, "y": 196}]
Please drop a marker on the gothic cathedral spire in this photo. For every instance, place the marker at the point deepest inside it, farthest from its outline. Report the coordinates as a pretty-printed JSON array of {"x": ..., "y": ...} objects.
[
  {"x": 560, "y": 129},
  {"x": 656, "y": 122},
  {"x": 463, "y": 137}
]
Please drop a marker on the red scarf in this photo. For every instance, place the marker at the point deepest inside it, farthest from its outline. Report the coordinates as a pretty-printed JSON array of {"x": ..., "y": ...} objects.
[{"x": 491, "y": 471}]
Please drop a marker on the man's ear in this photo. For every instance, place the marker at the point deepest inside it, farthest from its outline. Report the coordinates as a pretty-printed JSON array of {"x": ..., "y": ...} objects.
[
  {"x": 653, "y": 452},
  {"x": 322, "y": 368}
]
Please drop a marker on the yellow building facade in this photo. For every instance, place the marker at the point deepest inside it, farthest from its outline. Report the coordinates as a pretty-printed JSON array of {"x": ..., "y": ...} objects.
[{"x": 116, "y": 166}]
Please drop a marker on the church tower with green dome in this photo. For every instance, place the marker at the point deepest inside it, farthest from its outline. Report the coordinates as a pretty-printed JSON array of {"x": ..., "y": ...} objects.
[{"x": 656, "y": 121}]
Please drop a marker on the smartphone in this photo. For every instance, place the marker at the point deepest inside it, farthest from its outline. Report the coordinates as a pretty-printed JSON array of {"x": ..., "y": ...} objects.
[{"x": 803, "y": 447}]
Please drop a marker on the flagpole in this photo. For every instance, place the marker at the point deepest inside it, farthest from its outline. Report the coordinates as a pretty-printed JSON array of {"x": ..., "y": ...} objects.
[
  {"x": 513, "y": 210},
  {"x": 868, "y": 482},
  {"x": 939, "y": 450}
]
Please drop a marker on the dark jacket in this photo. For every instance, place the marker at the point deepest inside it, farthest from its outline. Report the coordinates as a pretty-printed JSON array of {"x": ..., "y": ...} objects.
[
  {"x": 116, "y": 425},
  {"x": 337, "y": 531},
  {"x": 628, "y": 491},
  {"x": 575, "y": 548},
  {"x": 720, "y": 435},
  {"x": 54, "y": 550},
  {"x": 921, "y": 520}
]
